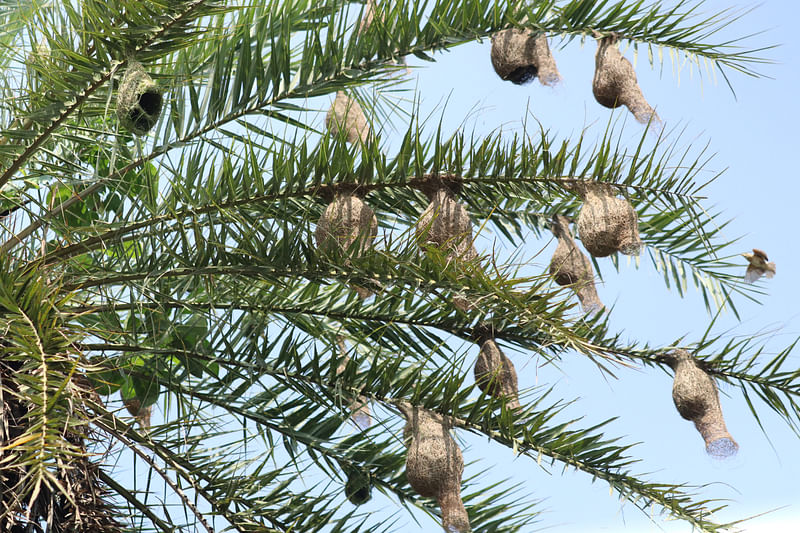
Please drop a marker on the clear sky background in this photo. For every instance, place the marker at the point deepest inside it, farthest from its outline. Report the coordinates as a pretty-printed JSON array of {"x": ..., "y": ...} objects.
[{"x": 754, "y": 136}]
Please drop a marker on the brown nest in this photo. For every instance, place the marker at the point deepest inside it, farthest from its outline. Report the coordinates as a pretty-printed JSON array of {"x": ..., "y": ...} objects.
[
  {"x": 570, "y": 266},
  {"x": 139, "y": 100},
  {"x": 346, "y": 114},
  {"x": 697, "y": 399},
  {"x": 347, "y": 226},
  {"x": 615, "y": 84},
  {"x": 521, "y": 55},
  {"x": 434, "y": 464},
  {"x": 446, "y": 224},
  {"x": 495, "y": 374},
  {"x": 606, "y": 223}
]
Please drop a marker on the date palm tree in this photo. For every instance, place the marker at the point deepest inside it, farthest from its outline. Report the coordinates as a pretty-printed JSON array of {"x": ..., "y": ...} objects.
[{"x": 180, "y": 352}]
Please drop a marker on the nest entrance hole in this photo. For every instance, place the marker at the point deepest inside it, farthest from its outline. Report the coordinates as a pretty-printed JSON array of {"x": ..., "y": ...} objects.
[
  {"x": 150, "y": 101},
  {"x": 523, "y": 75}
]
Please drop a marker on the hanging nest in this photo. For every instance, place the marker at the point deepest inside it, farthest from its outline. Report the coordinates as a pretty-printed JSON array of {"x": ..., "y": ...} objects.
[
  {"x": 141, "y": 414},
  {"x": 434, "y": 464},
  {"x": 359, "y": 408},
  {"x": 446, "y": 224},
  {"x": 606, "y": 223},
  {"x": 615, "y": 84},
  {"x": 139, "y": 100},
  {"x": 570, "y": 266},
  {"x": 697, "y": 399},
  {"x": 495, "y": 374},
  {"x": 358, "y": 488},
  {"x": 347, "y": 226},
  {"x": 346, "y": 113},
  {"x": 521, "y": 55}
]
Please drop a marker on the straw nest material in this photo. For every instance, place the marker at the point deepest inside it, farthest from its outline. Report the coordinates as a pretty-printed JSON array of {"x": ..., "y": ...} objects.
[
  {"x": 359, "y": 408},
  {"x": 570, "y": 266},
  {"x": 141, "y": 414},
  {"x": 346, "y": 113},
  {"x": 521, "y": 55},
  {"x": 446, "y": 224},
  {"x": 697, "y": 399},
  {"x": 347, "y": 226},
  {"x": 607, "y": 224},
  {"x": 615, "y": 84},
  {"x": 139, "y": 100},
  {"x": 434, "y": 464},
  {"x": 495, "y": 374}
]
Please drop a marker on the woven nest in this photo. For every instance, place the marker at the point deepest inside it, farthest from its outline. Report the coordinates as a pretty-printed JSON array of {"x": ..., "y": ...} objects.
[
  {"x": 607, "y": 224},
  {"x": 434, "y": 464},
  {"x": 347, "y": 226},
  {"x": 358, "y": 488},
  {"x": 446, "y": 224},
  {"x": 615, "y": 84},
  {"x": 141, "y": 414},
  {"x": 139, "y": 100},
  {"x": 346, "y": 114},
  {"x": 697, "y": 399},
  {"x": 495, "y": 374},
  {"x": 521, "y": 55},
  {"x": 570, "y": 266}
]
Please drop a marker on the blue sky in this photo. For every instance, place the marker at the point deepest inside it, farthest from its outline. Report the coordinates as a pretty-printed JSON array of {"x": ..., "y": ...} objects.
[{"x": 754, "y": 136}]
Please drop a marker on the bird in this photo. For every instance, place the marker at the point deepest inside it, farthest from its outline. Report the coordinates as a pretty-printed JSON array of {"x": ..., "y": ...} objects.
[{"x": 759, "y": 266}]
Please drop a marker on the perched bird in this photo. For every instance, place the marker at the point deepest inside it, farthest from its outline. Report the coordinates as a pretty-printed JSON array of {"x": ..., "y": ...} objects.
[{"x": 759, "y": 266}]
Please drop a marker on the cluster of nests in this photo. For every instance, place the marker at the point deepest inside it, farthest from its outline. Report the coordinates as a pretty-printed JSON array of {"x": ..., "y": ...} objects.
[
  {"x": 606, "y": 224},
  {"x": 520, "y": 55}
]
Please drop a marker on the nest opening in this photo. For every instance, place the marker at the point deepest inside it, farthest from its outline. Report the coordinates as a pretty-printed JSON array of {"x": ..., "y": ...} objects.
[
  {"x": 358, "y": 489},
  {"x": 150, "y": 101},
  {"x": 522, "y": 75},
  {"x": 519, "y": 56},
  {"x": 139, "y": 100}
]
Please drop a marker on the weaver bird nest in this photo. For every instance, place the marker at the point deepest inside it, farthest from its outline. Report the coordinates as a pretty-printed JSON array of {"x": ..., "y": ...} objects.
[
  {"x": 434, "y": 464},
  {"x": 347, "y": 227},
  {"x": 446, "y": 224},
  {"x": 139, "y": 100},
  {"x": 521, "y": 55},
  {"x": 606, "y": 223},
  {"x": 495, "y": 374},
  {"x": 570, "y": 266},
  {"x": 346, "y": 115},
  {"x": 615, "y": 84},
  {"x": 697, "y": 399}
]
